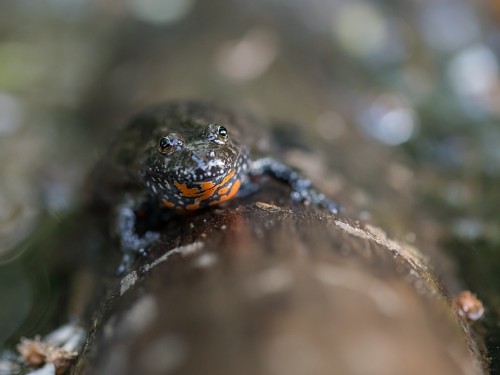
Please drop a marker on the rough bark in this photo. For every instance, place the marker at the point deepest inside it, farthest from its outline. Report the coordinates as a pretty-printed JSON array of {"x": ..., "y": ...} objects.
[{"x": 264, "y": 287}]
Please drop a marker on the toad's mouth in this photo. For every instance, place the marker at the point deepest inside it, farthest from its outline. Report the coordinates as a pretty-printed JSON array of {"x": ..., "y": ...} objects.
[{"x": 195, "y": 177}]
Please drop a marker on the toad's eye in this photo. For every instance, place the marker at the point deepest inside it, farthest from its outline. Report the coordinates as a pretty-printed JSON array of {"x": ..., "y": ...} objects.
[
  {"x": 216, "y": 133},
  {"x": 170, "y": 143},
  {"x": 222, "y": 132},
  {"x": 165, "y": 144}
]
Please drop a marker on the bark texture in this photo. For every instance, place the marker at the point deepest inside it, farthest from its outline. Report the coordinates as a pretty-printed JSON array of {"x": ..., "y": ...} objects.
[{"x": 262, "y": 286}]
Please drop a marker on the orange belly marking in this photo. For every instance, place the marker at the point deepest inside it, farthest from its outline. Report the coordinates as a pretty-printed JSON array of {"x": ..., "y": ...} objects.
[
  {"x": 232, "y": 193},
  {"x": 204, "y": 192},
  {"x": 206, "y": 189}
]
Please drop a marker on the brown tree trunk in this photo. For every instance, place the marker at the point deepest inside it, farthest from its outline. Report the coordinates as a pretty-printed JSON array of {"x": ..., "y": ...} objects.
[{"x": 258, "y": 288}]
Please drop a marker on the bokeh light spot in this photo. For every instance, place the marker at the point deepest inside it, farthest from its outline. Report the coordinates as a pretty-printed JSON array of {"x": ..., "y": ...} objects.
[
  {"x": 160, "y": 11},
  {"x": 360, "y": 28},
  {"x": 389, "y": 119}
]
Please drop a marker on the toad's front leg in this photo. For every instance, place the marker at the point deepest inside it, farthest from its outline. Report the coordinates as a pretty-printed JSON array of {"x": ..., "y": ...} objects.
[
  {"x": 302, "y": 189},
  {"x": 131, "y": 241}
]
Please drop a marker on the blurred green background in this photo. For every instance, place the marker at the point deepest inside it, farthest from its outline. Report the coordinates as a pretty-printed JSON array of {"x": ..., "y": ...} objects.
[{"x": 399, "y": 101}]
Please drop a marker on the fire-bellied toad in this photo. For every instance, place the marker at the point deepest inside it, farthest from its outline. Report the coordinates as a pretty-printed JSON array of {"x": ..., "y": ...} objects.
[{"x": 186, "y": 156}]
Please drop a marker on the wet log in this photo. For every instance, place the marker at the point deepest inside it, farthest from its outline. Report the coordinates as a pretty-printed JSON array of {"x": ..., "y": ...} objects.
[{"x": 265, "y": 286}]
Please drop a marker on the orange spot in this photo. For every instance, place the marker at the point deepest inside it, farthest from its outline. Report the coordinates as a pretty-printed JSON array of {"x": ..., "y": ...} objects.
[
  {"x": 185, "y": 191},
  {"x": 234, "y": 190},
  {"x": 226, "y": 179},
  {"x": 224, "y": 190},
  {"x": 207, "y": 194},
  {"x": 212, "y": 191},
  {"x": 192, "y": 207},
  {"x": 206, "y": 185},
  {"x": 169, "y": 204}
]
